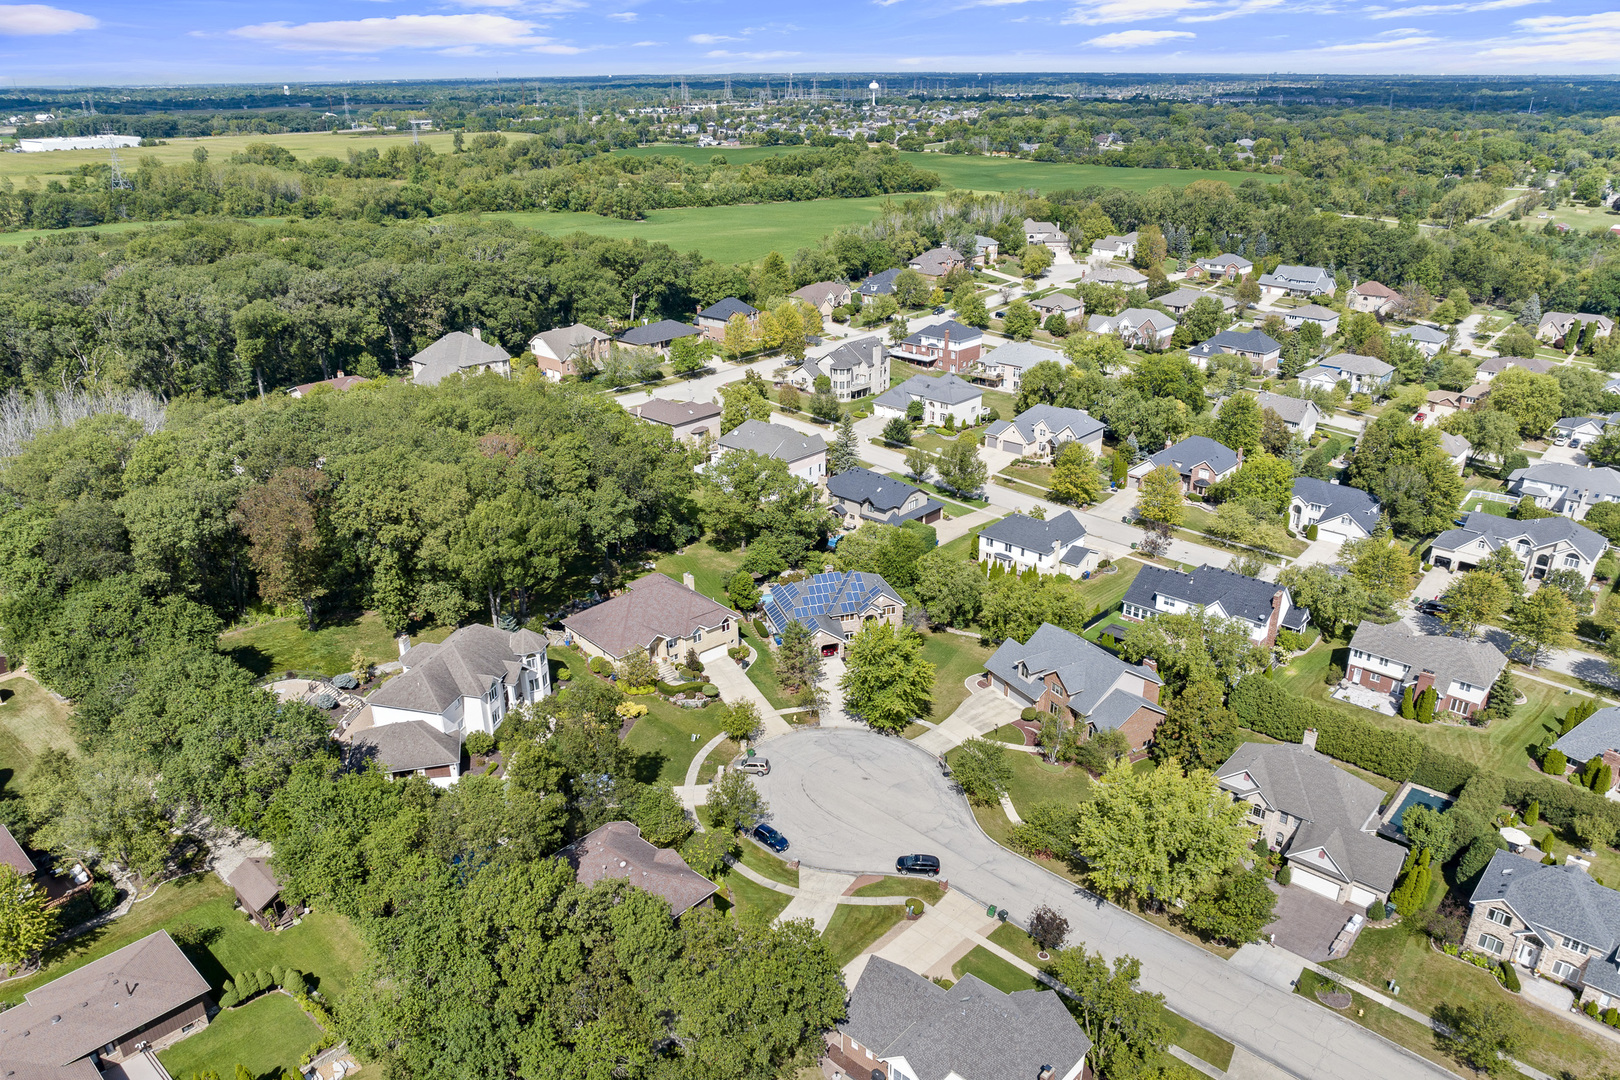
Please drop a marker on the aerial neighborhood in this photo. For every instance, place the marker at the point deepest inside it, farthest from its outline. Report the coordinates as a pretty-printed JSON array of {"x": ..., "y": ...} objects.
[{"x": 1054, "y": 631}]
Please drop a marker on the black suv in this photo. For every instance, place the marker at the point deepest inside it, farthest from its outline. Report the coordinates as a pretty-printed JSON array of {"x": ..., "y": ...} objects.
[
  {"x": 770, "y": 838},
  {"x": 917, "y": 864}
]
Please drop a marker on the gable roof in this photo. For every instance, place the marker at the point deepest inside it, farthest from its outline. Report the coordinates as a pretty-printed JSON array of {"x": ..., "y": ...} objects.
[
  {"x": 658, "y": 333},
  {"x": 674, "y": 413},
  {"x": 1192, "y": 450},
  {"x": 772, "y": 440},
  {"x": 1292, "y": 409},
  {"x": 870, "y": 489},
  {"x": 456, "y": 351},
  {"x": 1311, "y": 311},
  {"x": 1453, "y": 445},
  {"x": 13, "y": 855},
  {"x": 817, "y": 601},
  {"x": 1477, "y": 663},
  {"x": 1558, "y": 901},
  {"x": 340, "y": 382},
  {"x": 463, "y": 665},
  {"x": 936, "y": 261},
  {"x": 1223, "y": 261},
  {"x": 820, "y": 292},
  {"x": 1426, "y": 334},
  {"x": 1496, "y": 531},
  {"x": 1032, "y": 534},
  {"x": 1495, "y": 365},
  {"x": 1339, "y": 811},
  {"x": 726, "y": 308},
  {"x": 1185, "y": 297},
  {"x": 945, "y": 389},
  {"x": 880, "y": 283},
  {"x": 650, "y": 608},
  {"x": 1299, "y": 277},
  {"x": 1603, "y": 481},
  {"x": 1249, "y": 341},
  {"x": 1057, "y": 301},
  {"x": 1055, "y": 417},
  {"x": 1340, "y": 500},
  {"x": 1136, "y": 316},
  {"x": 563, "y": 340},
  {"x": 616, "y": 850},
  {"x": 1592, "y": 736},
  {"x": 1088, "y": 672},
  {"x": 971, "y": 1031},
  {"x": 1375, "y": 288},
  {"x": 406, "y": 746},
  {"x": 957, "y": 331},
  {"x": 1021, "y": 355},
  {"x": 1119, "y": 275},
  {"x": 1356, "y": 364},
  {"x": 1238, "y": 595},
  {"x": 255, "y": 883}
]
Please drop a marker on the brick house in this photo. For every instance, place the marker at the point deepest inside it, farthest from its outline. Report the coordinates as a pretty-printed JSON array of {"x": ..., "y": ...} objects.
[
  {"x": 1264, "y": 607},
  {"x": 1060, "y": 673},
  {"x": 1389, "y": 658},
  {"x": 1554, "y": 921},
  {"x": 945, "y": 346},
  {"x": 834, "y": 606},
  {"x": 1198, "y": 459},
  {"x": 1373, "y": 297},
  {"x": 558, "y": 351}
]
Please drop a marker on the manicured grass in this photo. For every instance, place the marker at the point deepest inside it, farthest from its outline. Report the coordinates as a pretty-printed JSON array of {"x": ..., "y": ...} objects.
[
  {"x": 762, "y": 672},
  {"x": 268, "y": 1035},
  {"x": 711, "y": 568},
  {"x": 1104, "y": 591},
  {"x": 941, "y": 493},
  {"x": 954, "y": 658},
  {"x": 1008, "y": 733},
  {"x": 1038, "y": 475},
  {"x": 286, "y": 645},
  {"x": 854, "y": 927},
  {"x": 1489, "y": 506},
  {"x": 1196, "y": 517},
  {"x": 323, "y": 945},
  {"x": 662, "y": 740},
  {"x": 929, "y": 892},
  {"x": 986, "y": 965},
  {"x": 31, "y": 722},
  {"x": 965, "y": 546},
  {"x": 1381, "y": 1020},
  {"x": 1034, "y": 781},
  {"x": 740, "y": 894},
  {"x": 766, "y": 864},
  {"x": 726, "y": 751}
]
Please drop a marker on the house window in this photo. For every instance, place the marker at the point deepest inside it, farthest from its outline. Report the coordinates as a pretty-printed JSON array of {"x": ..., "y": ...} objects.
[
  {"x": 1491, "y": 944},
  {"x": 1574, "y": 946},
  {"x": 1572, "y": 561},
  {"x": 1499, "y": 916},
  {"x": 1374, "y": 678},
  {"x": 1563, "y": 970}
]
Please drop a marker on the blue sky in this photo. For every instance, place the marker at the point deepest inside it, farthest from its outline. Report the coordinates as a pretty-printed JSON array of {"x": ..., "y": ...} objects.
[{"x": 101, "y": 43}]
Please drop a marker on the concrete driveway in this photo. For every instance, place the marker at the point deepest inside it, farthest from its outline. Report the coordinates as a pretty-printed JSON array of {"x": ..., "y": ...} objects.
[
  {"x": 980, "y": 714},
  {"x": 853, "y": 801},
  {"x": 1324, "y": 551}
]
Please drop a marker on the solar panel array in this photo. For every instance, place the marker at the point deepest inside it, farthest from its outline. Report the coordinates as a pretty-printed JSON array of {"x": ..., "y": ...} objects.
[{"x": 832, "y": 593}]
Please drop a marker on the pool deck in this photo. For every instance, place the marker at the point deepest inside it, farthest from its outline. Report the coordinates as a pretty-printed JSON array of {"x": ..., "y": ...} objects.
[{"x": 1408, "y": 795}]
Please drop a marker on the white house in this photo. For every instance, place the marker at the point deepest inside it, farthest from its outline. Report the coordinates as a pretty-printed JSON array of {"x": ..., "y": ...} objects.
[
  {"x": 1326, "y": 318},
  {"x": 1542, "y": 545},
  {"x": 458, "y": 353},
  {"x": 1004, "y": 366},
  {"x": 941, "y": 396},
  {"x": 1338, "y": 512},
  {"x": 1300, "y": 414},
  {"x": 1365, "y": 374},
  {"x": 1136, "y": 326},
  {"x": 1389, "y": 658},
  {"x": 1041, "y": 430},
  {"x": 1226, "y": 267},
  {"x": 1263, "y": 607},
  {"x": 1584, "y": 429},
  {"x": 1556, "y": 325},
  {"x": 1023, "y": 543},
  {"x": 1115, "y": 247},
  {"x": 856, "y": 369},
  {"x": 1565, "y": 489},
  {"x": 805, "y": 455},
  {"x": 1429, "y": 340},
  {"x": 1297, "y": 281}
]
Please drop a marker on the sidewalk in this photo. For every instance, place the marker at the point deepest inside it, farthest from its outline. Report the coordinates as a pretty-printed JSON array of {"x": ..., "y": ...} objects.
[{"x": 735, "y": 685}]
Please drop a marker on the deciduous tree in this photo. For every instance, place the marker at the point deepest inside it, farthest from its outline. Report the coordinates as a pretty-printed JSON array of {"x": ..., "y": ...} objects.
[
  {"x": 1075, "y": 478},
  {"x": 887, "y": 683},
  {"x": 1542, "y": 621},
  {"x": 1161, "y": 498},
  {"x": 982, "y": 770},
  {"x": 1235, "y": 908},
  {"x": 284, "y": 521},
  {"x": 1477, "y": 598},
  {"x": 26, "y": 924}
]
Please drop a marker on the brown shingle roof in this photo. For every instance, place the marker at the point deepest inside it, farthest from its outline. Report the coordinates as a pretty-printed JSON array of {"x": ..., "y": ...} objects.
[
  {"x": 1375, "y": 288},
  {"x": 616, "y": 850},
  {"x": 654, "y": 607},
  {"x": 255, "y": 883},
  {"x": 12, "y": 854}
]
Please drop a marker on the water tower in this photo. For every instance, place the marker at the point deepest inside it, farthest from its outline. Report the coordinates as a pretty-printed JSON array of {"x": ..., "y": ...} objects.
[{"x": 874, "y": 89}]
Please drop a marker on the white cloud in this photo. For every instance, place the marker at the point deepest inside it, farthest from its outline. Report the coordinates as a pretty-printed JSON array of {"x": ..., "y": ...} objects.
[
  {"x": 623, "y": 16},
  {"x": 1419, "y": 10},
  {"x": 1243, "y": 7},
  {"x": 643, "y": 44},
  {"x": 1099, "y": 12},
  {"x": 1136, "y": 39},
  {"x": 723, "y": 54},
  {"x": 710, "y": 39},
  {"x": 1384, "y": 42},
  {"x": 395, "y": 32},
  {"x": 33, "y": 20},
  {"x": 1593, "y": 38}
]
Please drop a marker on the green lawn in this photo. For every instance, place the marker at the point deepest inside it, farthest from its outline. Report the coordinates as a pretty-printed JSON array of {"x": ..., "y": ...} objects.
[
  {"x": 1038, "y": 475},
  {"x": 1489, "y": 506},
  {"x": 744, "y": 895},
  {"x": 965, "y": 546},
  {"x": 22, "y": 236},
  {"x": 711, "y": 569},
  {"x": 1398, "y": 1029},
  {"x": 929, "y": 892},
  {"x": 285, "y": 645},
  {"x": 1196, "y": 517},
  {"x": 764, "y": 863},
  {"x": 986, "y": 965},
  {"x": 324, "y": 944},
  {"x": 854, "y": 927},
  {"x": 268, "y": 1035},
  {"x": 762, "y": 672},
  {"x": 944, "y": 496},
  {"x": 1034, "y": 781},
  {"x": 662, "y": 740},
  {"x": 954, "y": 658},
  {"x": 1093, "y": 632},
  {"x": 1104, "y": 591},
  {"x": 31, "y": 721}
]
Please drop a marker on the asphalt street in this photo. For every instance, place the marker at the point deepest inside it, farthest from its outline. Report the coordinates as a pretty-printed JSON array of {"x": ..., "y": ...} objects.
[{"x": 853, "y": 801}]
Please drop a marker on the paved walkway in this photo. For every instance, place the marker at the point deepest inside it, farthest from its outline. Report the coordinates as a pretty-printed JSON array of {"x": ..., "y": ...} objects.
[
  {"x": 693, "y": 769},
  {"x": 980, "y": 714},
  {"x": 818, "y": 896},
  {"x": 735, "y": 685}
]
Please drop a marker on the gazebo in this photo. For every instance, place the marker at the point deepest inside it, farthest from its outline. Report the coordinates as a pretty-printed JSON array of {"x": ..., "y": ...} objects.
[{"x": 259, "y": 894}]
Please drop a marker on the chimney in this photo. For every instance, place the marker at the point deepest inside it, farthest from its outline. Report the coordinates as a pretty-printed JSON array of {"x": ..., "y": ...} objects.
[
  {"x": 1047, "y": 1073},
  {"x": 478, "y": 335},
  {"x": 1150, "y": 663},
  {"x": 689, "y": 581},
  {"x": 1307, "y": 739},
  {"x": 340, "y": 373}
]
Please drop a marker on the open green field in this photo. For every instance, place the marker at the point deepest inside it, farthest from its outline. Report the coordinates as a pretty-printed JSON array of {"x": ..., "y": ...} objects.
[
  {"x": 268, "y": 1035},
  {"x": 287, "y": 645},
  {"x": 31, "y": 721}
]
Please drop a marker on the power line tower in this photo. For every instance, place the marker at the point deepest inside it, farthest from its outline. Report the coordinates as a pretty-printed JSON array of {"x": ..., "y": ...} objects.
[{"x": 728, "y": 87}]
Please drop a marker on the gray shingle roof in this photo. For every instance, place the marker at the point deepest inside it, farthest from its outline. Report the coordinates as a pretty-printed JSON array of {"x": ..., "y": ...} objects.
[
  {"x": 1558, "y": 901},
  {"x": 1246, "y": 341},
  {"x": 1057, "y": 419},
  {"x": 407, "y": 745},
  {"x": 463, "y": 665},
  {"x": 1116, "y": 275},
  {"x": 658, "y": 333},
  {"x": 1496, "y": 531},
  {"x": 848, "y": 356},
  {"x": 1223, "y": 261},
  {"x": 1477, "y": 663},
  {"x": 1338, "y": 811},
  {"x": 664, "y": 411},
  {"x": 874, "y": 489},
  {"x": 772, "y": 440},
  {"x": 1427, "y": 334},
  {"x": 726, "y": 308},
  {"x": 1356, "y": 364},
  {"x": 1057, "y": 302},
  {"x": 1315, "y": 312},
  {"x": 937, "y": 261},
  {"x": 958, "y": 332},
  {"x": 1495, "y": 365},
  {"x": 1087, "y": 671},
  {"x": 1299, "y": 277},
  {"x": 1574, "y": 477},
  {"x": 1239, "y": 596},
  {"x": 1339, "y": 500},
  {"x": 945, "y": 389},
  {"x": 565, "y": 339},
  {"x": 1022, "y": 355},
  {"x": 1192, "y": 450},
  {"x": 880, "y": 283},
  {"x": 1592, "y": 736},
  {"x": 972, "y": 1030},
  {"x": 1292, "y": 409},
  {"x": 1185, "y": 297},
  {"x": 1023, "y": 531},
  {"x": 456, "y": 351},
  {"x": 820, "y": 292},
  {"x": 653, "y": 607}
]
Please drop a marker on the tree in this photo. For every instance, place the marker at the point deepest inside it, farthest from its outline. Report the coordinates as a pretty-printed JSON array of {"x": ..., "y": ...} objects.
[
  {"x": 1592, "y": 830},
  {"x": 1126, "y": 1026},
  {"x": 1412, "y": 892},
  {"x": 1542, "y": 621},
  {"x": 1499, "y": 703},
  {"x": 970, "y": 309},
  {"x": 1159, "y": 834},
  {"x": 1235, "y": 908},
  {"x": 1477, "y": 598},
  {"x": 284, "y": 522},
  {"x": 1572, "y": 584},
  {"x": 1402, "y": 464},
  {"x": 1484, "y": 1036},
  {"x": 734, "y": 803},
  {"x": 950, "y": 589},
  {"x": 1530, "y": 312},
  {"x": 887, "y": 683},
  {"x": 1161, "y": 498},
  {"x": 824, "y": 406},
  {"x": 910, "y": 289},
  {"x": 982, "y": 770},
  {"x": 961, "y": 469},
  {"x": 661, "y": 816},
  {"x": 1408, "y": 707},
  {"x": 1199, "y": 731},
  {"x": 1036, "y": 260},
  {"x": 1075, "y": 478},
  {"x": 1020, "y": 321},
  {"x": 798, "y": 659},
  {"x": 1195, "y": 645},
  {"x": 1381, "y": 564},
  {"x": 1151, "y": 250},
  {"x": 742, "y": 590},
  {"x": 637, "y": 669},
  {"x": 1534, "y": 401},
  {"x": 743, "y": 400},
  {"x": 844, "y": 452},
  {"x": 897, "y": 432},
  {"x": 1427, "y": 827},
  {"x": 741, "y": 721},
  {"x": 1048, "y": 928},
  {"x": 1056, "y": 325},
  {"x": 1237, "y": 425},
  {"x": 919, "y": 463},
  {"x": 26, "y": 924},
  {"x": 740, "y": 338},
  {"x": 1267, "y": 479},
  {"x": 690, "y": 354}
]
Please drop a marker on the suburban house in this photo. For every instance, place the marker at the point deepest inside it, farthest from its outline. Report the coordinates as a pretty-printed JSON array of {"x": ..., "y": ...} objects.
[
  {"x": 340, "y": 382},
  {"x": 1338, "y": 511},
  {"x": 144, "y": 997},
  {"x": 616, "y": 851},
  {"x": 1584, "y": 429},
  {"x": 1322, "y": 819},
  {"x": 1263, "y": 606},
  {"x": 1456, "y": 448},
  {"x": 712, "y": 319},
  {"x": 1181, "y": 301},
  {"x": 1373, "y": 297},
  {"x": 1365, "y": 374},
  {"x": 1543, "y": 545},
  {"x": 1136, "y": 326},
  {"x": 659, "y": 616},
  {"x": 689, "y": 420},
  {"x": 59, "y": 886},
  {"x": 458, "y": 353},
  {"x": 823, "y": 295},
  {"x": 944, "y": 346},
  {"x": 1476, "y": 393},
  {"x": 1060, "y": 673},
  {"x": 937, "y": 262},
  {"x": 1596, "y": 736},
  {"x": 805, "y": 455},
  {"x": 1440, "y": 404},
  {"x": 1388, "y": 658},
  {"x": 1041, "y": 430},
  {"x": 557, "y": 351},
  {"x": 1556, "y": 325},
  {"x": 1326, "y": 318},
  {"x": 901, "y": 1025},
  {"x": 1115, "y": 247},
  {"x": 1058, "y": 304},
  {"x": 856, "y": 369},
  {"x": 1297, "y": 281},
  {"x": 863, "y": 495},
  {"x": 1612, "y": 386},
  {"x": 1200, "y": 460},
  {"x": 1492, "y": 366},
  {"x": 1428, "y": 339},
  {"x": 878, "y": 284},
  {"x": 658, "y": 336},
  {"x": 986, "y": 250},
  {"x": 1227, "y": 267},
  {"x": 1554, "y": 921},
  {"x": 1261, "y": 350},
  {"x": 1565, "y": 489},
  {"x": 1122, "y": 276},
  {"x": 1004, "y": 366},
  {"x": 833, "y": 606},
  {"x": 941, "y": 396},
  {"x": 258, "y": 892},
  {"x": 1044, "y": 232},
  {"x": 1018, "y": 543},
  {"x": 1300, "y": 414},
  {"x": 463, "y": 684}
]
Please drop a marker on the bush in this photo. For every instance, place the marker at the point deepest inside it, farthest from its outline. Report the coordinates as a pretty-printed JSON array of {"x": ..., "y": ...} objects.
[
  {"x": 1285, "y": 874},
  {"x": 1590, "y": 1009},
  {"x": 738, "y": 652},
  {"x": 295, "y": 983},
  {"x": 630, "y": 710},
  {"x": 599, "y": 665},
  {"x": 1310, "y": 533},
  {"x": 1510, "y": 977},
  {"x": 478, "y": 744},
  {"x": 1553, "y": 763},
  {"x": 1029, "y": 716},
  {"x": 563, "y": 674},
  {"x": 762, "y": 630},
  {"x": 710, "y": 690},
  {"x": 1376, "y": 911},
  {"x": 677, "y": 689},
  {"x": 345, "y": 681},
  {"x": 1334, "y": 676}
]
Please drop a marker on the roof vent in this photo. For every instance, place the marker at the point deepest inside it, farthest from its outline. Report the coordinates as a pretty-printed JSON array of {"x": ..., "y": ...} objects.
[
  {"x": 622, "y": 864},
  {"x": 57, "y": 1019}
]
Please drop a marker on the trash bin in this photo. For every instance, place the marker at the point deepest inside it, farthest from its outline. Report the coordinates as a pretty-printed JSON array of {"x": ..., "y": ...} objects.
[
  {"x": 990, "y": 912},
  {"x": 1002, "y": 914}
]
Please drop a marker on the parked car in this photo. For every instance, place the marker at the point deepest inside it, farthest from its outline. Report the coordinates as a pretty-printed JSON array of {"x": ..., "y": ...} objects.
[
  {"x": 757, "y": 766},
  {"x": 1574, "y": 444},
  {"x": 917, "y": 864},
  {"x": 940, "y": 310},
  {"x": 1431, "y": 607},
  {"x": 770, "y": 837},
  {"x": 1560, "y": 441}
]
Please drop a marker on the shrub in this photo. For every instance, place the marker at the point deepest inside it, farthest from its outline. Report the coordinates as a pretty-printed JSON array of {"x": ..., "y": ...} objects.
[
  {"x": 277, "y": 976},
  {"x": 1029, "y": 716},
  {"x": 1376, "y": 911},
  {"x": 295, "y": 983},
  {"x": 1048, "y": 928},
  {"x": 479, "y": 743},
  {"x": 1553, "y": 763},
  {"x": 345, "y": 681},
  {"x": 563, "y": 674},
  {"x": 1510, "y": 977},
  {"x": 761, "y": 629},
  {"x": 1334, "y": 676},
  {"x": 599, "y": 665},
  {"x": 1285, "y": 875},
  {"x": 630, "y": 710},
  {"x": 1310, "y": 533},
  {"x": 738, "y": 652},
  {"x": 1590, "y": 1009},
  {"x": 710, "y": 690}
]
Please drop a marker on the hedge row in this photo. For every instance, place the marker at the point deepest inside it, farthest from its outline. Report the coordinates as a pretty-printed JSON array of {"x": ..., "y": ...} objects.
[{"x": 675, "y": 689}]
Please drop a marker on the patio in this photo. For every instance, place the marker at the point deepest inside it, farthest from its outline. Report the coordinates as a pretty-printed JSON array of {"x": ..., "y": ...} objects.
[{"x": 1376, "y": 700}]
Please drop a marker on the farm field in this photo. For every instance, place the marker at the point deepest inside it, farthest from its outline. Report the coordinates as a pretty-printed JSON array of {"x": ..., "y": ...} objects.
[{"x": 301, "y": 144}]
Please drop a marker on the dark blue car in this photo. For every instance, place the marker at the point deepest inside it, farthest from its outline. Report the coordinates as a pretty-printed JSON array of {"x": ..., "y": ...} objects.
[{"x": 770, "y": 838}]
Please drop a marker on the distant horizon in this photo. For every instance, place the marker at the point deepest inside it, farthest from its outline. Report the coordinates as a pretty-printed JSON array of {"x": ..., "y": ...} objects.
[{"x": 233, "y": 43}]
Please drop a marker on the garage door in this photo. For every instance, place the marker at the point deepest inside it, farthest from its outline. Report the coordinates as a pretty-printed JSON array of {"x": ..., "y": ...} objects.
[
  {"x": 1361, "y": 897},
  {"x": 714, "y": 655},
  {"x": 1318, "y": 885}
]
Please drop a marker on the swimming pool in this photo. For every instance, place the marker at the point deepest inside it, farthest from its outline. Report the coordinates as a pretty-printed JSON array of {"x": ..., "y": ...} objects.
[{"x": 1417, "y": 797}]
